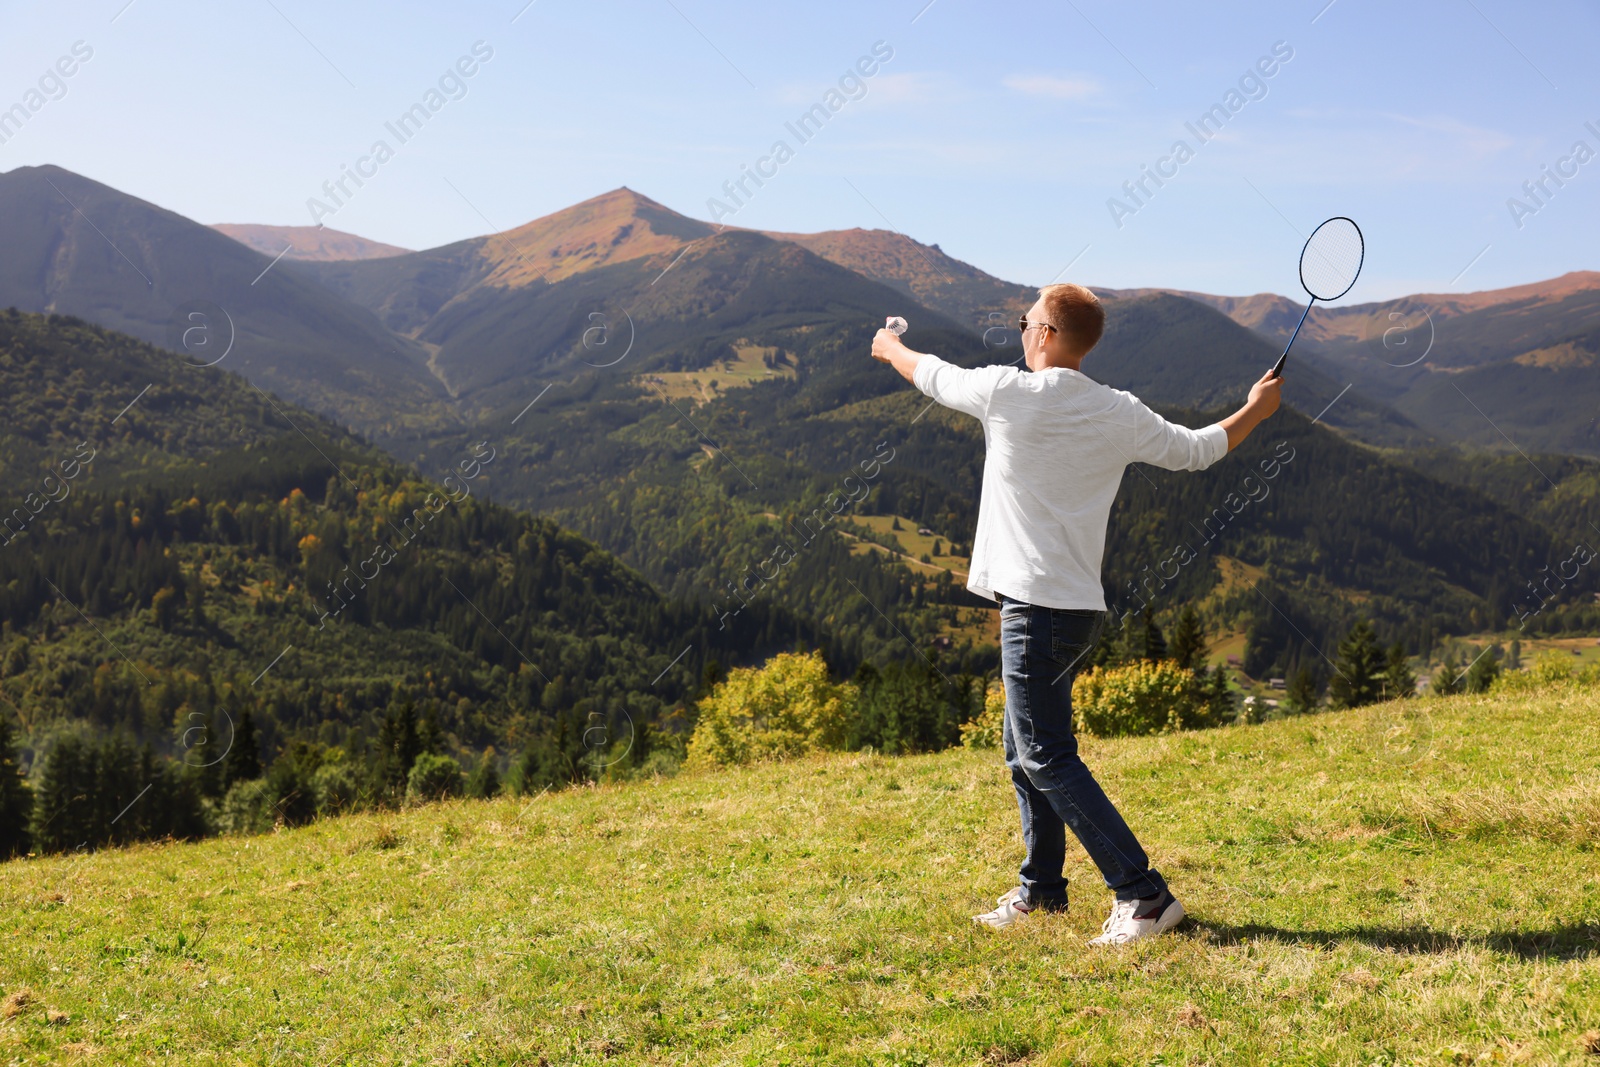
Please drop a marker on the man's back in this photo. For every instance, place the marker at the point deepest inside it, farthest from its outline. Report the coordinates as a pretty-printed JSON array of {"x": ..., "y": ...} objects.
[{"x": 1057, "y": 445}]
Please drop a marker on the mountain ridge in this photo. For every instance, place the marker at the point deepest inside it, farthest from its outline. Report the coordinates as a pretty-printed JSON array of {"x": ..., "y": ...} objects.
[
  {"x": 76, "y": 246},
  {"x": 306, "y": 242}
]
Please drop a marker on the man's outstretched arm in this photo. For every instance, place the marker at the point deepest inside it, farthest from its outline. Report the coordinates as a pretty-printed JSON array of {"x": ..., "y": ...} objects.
[
  {"x": 1263, "y": 402},
  {"x": 957, "y": 388},
  {"x": 888, "y": 348}
]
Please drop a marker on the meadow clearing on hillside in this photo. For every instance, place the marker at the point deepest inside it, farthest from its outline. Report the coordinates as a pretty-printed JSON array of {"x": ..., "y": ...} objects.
[{"x": 1414, "y": 882}]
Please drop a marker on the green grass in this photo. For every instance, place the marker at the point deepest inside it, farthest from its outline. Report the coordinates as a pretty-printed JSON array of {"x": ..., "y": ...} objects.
[
  {"x": 1350, "y": 905},
  {"x": 705, "y": 385}
]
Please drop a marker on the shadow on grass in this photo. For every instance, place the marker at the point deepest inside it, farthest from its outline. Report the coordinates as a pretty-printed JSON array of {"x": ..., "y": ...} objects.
[{"x": 1573, "y": 941}]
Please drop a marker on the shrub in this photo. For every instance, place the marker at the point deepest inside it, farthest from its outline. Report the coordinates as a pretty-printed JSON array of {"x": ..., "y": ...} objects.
[
  {"x": 337, "y": 788},
  {"x": 986, "y": 730},
  {"x": 785, "y": 708},
  {"x": 247, "y": 808},
  {"x": 1141, "y": 698},
  {"x": 484, "y": 781},
  {"x": 1548, "y": 669},
  {"x": 434, "y": 777}
]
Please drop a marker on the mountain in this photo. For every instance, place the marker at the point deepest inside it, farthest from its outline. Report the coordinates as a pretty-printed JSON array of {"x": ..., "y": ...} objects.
[
  {"x": 1176, "y": 352},
  {"x": 960, "y": 291},
  {"x": 693, "y": 401},
  {"x": 684, "y": 294},
  {"x": 408, "y": 292},
  {"x": 766, "y": 342},
  {"x": 1474, "y": 368},
  {"x": 306, "y": 242},
  {"x": 74, "y": 246},
  {"x": 1276, "y": 316}
]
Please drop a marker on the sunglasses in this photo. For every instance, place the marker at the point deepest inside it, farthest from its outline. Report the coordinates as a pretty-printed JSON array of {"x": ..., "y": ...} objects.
[{"x": 1023, "y": 324}]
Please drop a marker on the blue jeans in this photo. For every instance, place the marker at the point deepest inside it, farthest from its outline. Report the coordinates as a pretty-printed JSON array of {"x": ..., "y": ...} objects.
[{"x": 1041, "y": 650}]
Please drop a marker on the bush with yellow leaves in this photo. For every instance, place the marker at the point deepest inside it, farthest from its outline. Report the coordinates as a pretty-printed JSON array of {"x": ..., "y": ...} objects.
[
  {"x": 1140, "y": 698},
  {"x": 984, "y": 731},
  {"x": 1550, "y": 669},
  {"x": 786, "y": 707}
]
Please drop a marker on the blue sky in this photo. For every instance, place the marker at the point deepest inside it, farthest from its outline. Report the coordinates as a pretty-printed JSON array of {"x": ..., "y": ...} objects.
[{"x": 998, "y": 131}]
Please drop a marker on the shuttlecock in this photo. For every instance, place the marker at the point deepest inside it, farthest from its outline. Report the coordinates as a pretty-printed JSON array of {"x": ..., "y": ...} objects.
[{"x": 895, "y": 324}]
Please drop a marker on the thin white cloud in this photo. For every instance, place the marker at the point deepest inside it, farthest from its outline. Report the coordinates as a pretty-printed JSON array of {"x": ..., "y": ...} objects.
[
  {"x": 1477, "y": 140},
  {"x": 917, "y": 87},
  {"x": 1055, "y": 86}
]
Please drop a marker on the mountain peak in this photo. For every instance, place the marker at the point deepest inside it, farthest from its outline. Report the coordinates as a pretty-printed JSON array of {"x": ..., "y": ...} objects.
[{"x": 613, "y": 227}]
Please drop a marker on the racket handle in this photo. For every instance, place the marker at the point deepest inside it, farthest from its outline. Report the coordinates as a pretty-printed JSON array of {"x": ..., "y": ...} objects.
[{"x": 1277, "y": 368}]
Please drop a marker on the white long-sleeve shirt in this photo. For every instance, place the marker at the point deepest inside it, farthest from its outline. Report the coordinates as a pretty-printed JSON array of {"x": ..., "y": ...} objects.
[{"x": 1057, "y": 445}]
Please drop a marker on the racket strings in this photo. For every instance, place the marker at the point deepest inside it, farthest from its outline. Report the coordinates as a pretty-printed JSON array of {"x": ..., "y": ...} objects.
[{"x": 1331, "y": 259}]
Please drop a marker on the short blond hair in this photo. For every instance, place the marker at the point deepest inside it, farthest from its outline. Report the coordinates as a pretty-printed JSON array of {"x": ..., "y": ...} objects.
[{"x": 1076, "y": 312}]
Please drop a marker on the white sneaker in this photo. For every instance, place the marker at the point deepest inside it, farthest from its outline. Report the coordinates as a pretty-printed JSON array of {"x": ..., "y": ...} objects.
[
  {"x": 1132, "y": 920},
  {"x": 1014, "y": 893},
  {"x": 1010, "y": 911}
]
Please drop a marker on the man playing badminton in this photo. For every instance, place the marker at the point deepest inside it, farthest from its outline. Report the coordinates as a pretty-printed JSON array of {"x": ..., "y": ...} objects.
[{"x": 1057, "y": 445}]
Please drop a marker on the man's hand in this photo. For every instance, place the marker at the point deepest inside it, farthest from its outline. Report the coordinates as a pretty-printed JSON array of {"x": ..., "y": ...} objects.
[
  {"x": 883, "y": 345},
  {"x": 1264, "y": 396}
]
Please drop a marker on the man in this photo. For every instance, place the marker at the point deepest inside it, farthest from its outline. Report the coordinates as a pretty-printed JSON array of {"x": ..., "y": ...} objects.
[{"x": 1057, "y": 444}]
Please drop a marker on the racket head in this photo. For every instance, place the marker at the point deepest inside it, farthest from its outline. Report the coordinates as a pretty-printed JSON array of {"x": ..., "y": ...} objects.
[{"x": 1331, "y": 261}]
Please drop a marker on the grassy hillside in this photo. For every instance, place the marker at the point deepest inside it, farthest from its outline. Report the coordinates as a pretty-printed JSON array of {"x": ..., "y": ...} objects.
[{"x": 1359, "y": 894}]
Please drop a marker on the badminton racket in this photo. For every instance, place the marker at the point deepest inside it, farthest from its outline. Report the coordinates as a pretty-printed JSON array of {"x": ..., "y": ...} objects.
[{"x": 1329, "y": 265}]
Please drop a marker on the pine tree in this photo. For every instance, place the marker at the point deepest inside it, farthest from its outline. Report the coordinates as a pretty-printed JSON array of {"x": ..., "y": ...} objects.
[
  {"x": 1188, "y": 644},
  {"x": 16, "y": 799},
  {"x": 1220, "y": 708},
  {"x": 1152, "y": 644},
  {"x": 244, "y": 758},
  {"x": 1398, "y": 681},
  {"x": 1302, "y": 692},
  {"x": 1484, "y": 670},
  {"x": 1447, "y": 679},
  {"x": 63, "y": 810},
  {"x": 1358, "y": 677},
  {"x": 1127, "y": 644},
  {"x": 485, "y": 779},
  {"x": 398, "y": 747},
  {"x": 430, "y": 738},
  {"x": 197, "y": 601}
]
